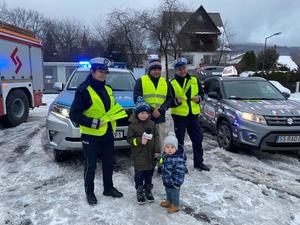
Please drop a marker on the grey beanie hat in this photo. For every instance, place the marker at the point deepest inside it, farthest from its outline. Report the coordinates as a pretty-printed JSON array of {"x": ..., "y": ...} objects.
[{"x": 171, "y": 139}]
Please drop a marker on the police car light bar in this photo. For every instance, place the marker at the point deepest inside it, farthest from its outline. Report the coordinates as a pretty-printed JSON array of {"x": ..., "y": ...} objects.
[{"x": 85, "y": 64}]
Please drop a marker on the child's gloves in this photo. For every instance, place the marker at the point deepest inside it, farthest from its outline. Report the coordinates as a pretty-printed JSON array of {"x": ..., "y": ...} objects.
[{"x": 147, "y": 136}]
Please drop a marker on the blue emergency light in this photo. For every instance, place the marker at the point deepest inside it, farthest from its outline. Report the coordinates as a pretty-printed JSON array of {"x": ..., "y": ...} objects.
[
  {"x": 85, "y": 64},
  {"x": 3, "y": 63}
]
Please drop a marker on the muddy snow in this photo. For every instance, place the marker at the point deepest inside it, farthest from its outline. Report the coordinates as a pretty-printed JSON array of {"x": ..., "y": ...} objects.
[{"x": 249, "y": 188}]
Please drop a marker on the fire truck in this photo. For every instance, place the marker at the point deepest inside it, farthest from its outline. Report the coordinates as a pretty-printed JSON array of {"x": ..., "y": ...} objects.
[{"x": 21, "y": 74}]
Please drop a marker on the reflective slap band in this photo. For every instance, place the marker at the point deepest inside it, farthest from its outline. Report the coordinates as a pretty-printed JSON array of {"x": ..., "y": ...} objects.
[
  {"x": 94, "y": 124},
  {"x": 161, "y": 161},
  {"x": 134, "y": 142}
]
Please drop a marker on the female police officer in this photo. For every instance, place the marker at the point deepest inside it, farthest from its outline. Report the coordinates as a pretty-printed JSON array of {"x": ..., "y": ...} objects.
[{"x": 93, "y": 99}]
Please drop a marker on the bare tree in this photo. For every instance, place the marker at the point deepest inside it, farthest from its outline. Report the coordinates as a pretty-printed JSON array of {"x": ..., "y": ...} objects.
[
  {"x": 225, "y": 40},
  {"x": 68, "y": 36},
  {"x": 163, "y": 26},
  {"x": 113, "y": 43},
  {"x": 24, "y": 18},
  {"x": 3, "y": 12},
  {"x": 126, "y": 25}
]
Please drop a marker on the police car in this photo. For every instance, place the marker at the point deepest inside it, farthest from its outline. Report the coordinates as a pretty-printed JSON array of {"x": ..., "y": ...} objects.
[
  {"x": 63, "y": 134},
  {"x": 250, "y": 112}
]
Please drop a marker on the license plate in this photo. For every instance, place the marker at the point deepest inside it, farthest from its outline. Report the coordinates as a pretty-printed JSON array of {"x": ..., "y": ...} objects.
[
  {"x": 288, "y": 139},
  {"x": 119, "y": 134}
]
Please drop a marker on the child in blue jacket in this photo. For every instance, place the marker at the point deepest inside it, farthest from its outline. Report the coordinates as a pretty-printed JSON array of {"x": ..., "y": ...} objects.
[{"x": 173, "y": 171}]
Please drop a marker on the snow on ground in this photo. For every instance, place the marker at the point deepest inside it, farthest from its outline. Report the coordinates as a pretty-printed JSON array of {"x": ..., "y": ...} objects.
[{"x": 241, "y": 189}]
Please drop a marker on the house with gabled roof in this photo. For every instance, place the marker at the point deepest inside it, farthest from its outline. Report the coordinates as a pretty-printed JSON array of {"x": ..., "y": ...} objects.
[{"x": 202, "y": 38}]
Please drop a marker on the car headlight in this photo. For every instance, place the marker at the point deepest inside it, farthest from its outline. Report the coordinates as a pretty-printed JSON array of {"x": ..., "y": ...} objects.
[
  {"x": 252, "y": 117},
  {"x": 60, "y": 110}
]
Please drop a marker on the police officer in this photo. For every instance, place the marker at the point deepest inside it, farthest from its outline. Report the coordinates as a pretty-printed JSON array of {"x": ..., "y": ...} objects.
[
  {"x": 186, "y": 109},
  {"x": 156, "y": 92},
  {"x": 94, "y": 98}
]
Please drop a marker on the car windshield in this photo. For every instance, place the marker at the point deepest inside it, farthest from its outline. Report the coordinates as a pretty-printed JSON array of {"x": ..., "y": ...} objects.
[
  {"x": 119, "y": 81},
  {"x": 245, "y": 90}
]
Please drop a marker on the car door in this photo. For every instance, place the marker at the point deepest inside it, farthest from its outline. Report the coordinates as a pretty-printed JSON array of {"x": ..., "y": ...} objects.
[{"x": 210, "y": 104}]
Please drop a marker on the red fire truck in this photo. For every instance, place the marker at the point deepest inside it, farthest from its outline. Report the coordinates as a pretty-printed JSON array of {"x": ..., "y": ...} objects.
[{"x": 21, "y": 73}]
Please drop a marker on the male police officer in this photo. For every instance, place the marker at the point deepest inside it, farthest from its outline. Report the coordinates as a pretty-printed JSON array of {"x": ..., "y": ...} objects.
[
  {"x": 93, "y": 99},
  {"x": 156, "y": 93},
  {"x": 186, "y": 109}
]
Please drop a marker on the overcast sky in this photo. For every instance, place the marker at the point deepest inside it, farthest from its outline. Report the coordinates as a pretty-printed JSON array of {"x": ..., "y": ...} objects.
[{"x": 249, "y": 20}]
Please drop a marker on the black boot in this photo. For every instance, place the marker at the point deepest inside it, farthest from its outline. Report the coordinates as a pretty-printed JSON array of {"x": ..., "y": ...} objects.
[
  {"x": 148, "y": 193},
  {"x": 91, "y": 198},
  {"x": 186, "y": 169},
  {"x": 113, "y": 193},
  {"x": 140, "y": 195},
  {"x": 202, "y": 167}
]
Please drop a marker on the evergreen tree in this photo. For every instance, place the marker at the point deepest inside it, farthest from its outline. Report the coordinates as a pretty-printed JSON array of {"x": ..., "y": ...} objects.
[
  {"x": 271, "y": 57},
  {"x": 248, "y": 62}
]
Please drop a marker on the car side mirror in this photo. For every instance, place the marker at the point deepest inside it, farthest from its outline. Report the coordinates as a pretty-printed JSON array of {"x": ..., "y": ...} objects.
[
  {"x": 213, "y": 94},
  {"x": 285, "y": 94},
  {"x": 59, "y": 86}
]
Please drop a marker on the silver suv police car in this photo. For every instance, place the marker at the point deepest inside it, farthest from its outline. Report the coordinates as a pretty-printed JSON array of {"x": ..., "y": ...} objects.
[
  {"x": 63, "y": 134},
  {"x": 250, "y": 112}
]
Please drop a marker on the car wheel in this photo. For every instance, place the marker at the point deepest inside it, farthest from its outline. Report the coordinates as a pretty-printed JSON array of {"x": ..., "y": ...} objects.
[
  {"x": 17, "y": 107},
  {"x": 59, "y": 155},
  {"x": 224, "y": 136}
]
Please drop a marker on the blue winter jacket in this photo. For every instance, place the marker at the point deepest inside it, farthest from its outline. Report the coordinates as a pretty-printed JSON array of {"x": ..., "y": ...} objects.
[{"x": 173, "y": 169}]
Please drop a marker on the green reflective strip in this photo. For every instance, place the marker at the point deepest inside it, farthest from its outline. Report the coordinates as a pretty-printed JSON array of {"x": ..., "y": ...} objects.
[
  {"x": 188, "y": 85},
  {"x": 155, "y": 105},
  {"x": 154, "y": 96},
  {"x": 178, "y": 88},
  {"x": 116, "y": 112},
  {"x": 134, "y": 142},
  {"x": 119, "y": 115},
  {"x": 184, "y": 83},
  {"x": 115, "y": 109},
  {"x": 251, "y": 100}
]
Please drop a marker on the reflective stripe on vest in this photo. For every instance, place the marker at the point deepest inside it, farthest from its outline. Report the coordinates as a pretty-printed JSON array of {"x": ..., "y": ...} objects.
[
  {"x": 183, "y": 109},
  {"x": 96, "y": 111},
  {"x": 154, "y": 97}
]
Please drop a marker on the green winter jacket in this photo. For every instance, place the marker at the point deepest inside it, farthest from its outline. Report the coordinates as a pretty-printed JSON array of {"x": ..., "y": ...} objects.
[{"x": 142, "y": 155}]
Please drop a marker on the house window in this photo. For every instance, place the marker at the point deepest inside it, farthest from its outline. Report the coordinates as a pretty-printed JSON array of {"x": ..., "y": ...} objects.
[
  {"x": 50, "y": 77},
  {"x": 49, "y": 70},
  {"x": 201, "y": 44},
  {"x": 190, "y": 59},
  {"x": 207, "y": 59},
  {"x": 69, "y": 71},
  {"x": 200, "y": 18},
  {"x": 215, "y": 59}
]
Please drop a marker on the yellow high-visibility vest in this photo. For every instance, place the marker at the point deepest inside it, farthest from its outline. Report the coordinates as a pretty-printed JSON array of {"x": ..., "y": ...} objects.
[
  {"x": 96, "y": 111},
  {"x": 155, "y": 97},
  {"x": 183, "y": 109}
]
